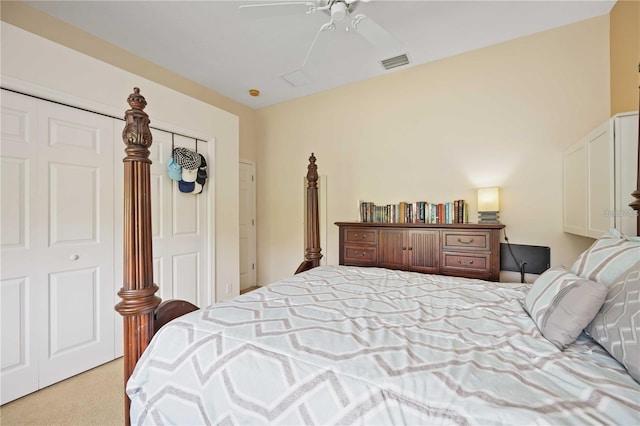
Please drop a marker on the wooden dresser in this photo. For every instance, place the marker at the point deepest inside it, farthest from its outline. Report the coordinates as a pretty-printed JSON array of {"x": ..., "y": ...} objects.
[{"x": 463, "y": 250}]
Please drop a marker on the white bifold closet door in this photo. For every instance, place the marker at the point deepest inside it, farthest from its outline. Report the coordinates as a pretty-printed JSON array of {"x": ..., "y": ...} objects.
[
  {"x": 57, "y": 243},
  {"x": 179, "y": 226},
  {"x": 61, "y": 214}
]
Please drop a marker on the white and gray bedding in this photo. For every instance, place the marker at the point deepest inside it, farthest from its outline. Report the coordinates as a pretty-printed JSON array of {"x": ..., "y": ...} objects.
[{"x": 346, "y": 345}]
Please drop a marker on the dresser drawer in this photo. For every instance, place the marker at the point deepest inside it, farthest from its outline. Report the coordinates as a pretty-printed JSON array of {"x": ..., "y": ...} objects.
[
  {"x": 479, "y": 264},
  {"x": 360, "y": 236},
  {"x": 466, "y": 240},
  {"x": 360, "y": 255}
]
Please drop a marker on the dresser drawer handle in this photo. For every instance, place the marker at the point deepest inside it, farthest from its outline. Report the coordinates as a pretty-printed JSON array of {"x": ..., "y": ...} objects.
[
  {"x": 469, "y": 263},
  {"x": 364, "y": 253},
  {"x": 465, "y": 242}
]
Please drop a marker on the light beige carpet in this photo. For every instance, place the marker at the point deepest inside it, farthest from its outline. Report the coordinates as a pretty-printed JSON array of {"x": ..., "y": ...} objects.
[{"x": 92, "y": 398}]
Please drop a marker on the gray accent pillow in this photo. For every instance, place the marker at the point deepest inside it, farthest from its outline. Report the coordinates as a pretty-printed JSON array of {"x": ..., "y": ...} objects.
[
  {"x": 617, "y": 325},
  {"x": 562, "y": 305}
]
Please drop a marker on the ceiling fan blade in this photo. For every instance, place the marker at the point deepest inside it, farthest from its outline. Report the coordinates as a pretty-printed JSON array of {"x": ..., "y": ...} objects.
[
  {"x": 374, "y": 33},
  {"x": 270, "y": 10},
  {"x": 319, "y": 45}
]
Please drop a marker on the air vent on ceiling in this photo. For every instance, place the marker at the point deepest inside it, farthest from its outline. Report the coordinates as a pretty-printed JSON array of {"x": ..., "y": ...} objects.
[
  {"x": 396, "y": 61},
  {"x": 297, "y": 78}
]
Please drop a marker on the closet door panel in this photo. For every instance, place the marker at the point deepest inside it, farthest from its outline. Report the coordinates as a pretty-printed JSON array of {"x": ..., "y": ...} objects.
[
  {"x": 73, "y": 321},
  {"x": 76, "y": 204},
  {"x": 73, "y": 204},
  {"x": 21, "y": 246},
  {"x": 161, "y": 212},
  {"x": 179, "y": 242}
]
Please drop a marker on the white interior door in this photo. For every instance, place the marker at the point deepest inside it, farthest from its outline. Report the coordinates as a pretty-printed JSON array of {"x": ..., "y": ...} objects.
[
  {"x": 247, "y": 224},
  {"x": 20, "y": 243}
]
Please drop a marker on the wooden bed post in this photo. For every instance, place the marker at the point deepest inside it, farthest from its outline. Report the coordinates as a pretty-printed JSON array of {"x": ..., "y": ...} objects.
[
  {"x": 635, "y": 204},
  {"x": 313, "y": 252},
  {"x": 138, "y": 292}
]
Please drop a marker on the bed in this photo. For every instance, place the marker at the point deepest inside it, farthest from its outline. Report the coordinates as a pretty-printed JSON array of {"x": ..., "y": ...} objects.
[{"x": 350, "y": 345}]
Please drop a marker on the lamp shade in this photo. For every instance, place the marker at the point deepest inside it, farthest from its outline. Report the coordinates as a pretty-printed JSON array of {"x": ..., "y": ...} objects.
[{"x": 488, "y": 199}]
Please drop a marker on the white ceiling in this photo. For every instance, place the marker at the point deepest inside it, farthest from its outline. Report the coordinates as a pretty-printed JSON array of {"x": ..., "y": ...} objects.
[{"x": 211, "y": 43}]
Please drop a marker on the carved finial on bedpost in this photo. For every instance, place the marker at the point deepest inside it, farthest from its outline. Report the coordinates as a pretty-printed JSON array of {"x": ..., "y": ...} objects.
[
  {"x": 136, "y": 134},
  {"x": 312, "y": 172},
  {"x": 138, "y": 291}
]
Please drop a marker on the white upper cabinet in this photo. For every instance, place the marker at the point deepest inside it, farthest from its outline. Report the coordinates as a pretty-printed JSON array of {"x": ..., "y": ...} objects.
[
  {"x": 599, "y": 174},
  {"x": 626, "y": 168}
]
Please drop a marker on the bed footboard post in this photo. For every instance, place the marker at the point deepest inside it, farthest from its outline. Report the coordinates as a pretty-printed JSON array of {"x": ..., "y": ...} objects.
[
  {"x": 138, "y": 291},
  {"x": 313, "y": 252},
  {"x": 635, "y": 204}
]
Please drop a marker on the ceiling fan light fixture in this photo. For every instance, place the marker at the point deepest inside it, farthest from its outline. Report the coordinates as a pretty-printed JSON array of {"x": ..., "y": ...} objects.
[{"x": 338, "y": 11}]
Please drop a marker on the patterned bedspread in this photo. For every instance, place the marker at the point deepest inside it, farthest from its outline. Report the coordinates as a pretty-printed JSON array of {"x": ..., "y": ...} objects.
[{"x": 370, "y": 346}]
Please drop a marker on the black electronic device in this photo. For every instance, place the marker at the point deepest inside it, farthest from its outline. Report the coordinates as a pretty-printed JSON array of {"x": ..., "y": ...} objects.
[{"x": 536, "y": 259}]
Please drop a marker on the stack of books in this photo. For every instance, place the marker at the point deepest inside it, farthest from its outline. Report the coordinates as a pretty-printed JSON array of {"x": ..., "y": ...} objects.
[{"x": 416, "y": 212}]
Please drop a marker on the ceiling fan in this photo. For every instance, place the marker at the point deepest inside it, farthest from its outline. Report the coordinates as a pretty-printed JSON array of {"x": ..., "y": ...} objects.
[{"x": 338, "y": 11}]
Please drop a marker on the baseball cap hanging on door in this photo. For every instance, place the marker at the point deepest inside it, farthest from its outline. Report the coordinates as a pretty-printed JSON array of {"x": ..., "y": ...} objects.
[
  {"x": 186, "y": 158},
  {"x": 173, "y": 169},
  {"x": 197, "y": 188},
  {"x": 189, "y": 175},
  {"x": 186, "y": 187},
  {"x": 194, "y": 169},
  {"x": 202, "y": 171}
]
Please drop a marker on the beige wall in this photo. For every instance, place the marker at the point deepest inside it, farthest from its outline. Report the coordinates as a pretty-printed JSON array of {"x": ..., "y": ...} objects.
[
  {"x": 498, "y": 116},
  {"x": 37, "y": 22},
  {"x": 56, "y": 72},
  {"x": 625, "y": 55}
]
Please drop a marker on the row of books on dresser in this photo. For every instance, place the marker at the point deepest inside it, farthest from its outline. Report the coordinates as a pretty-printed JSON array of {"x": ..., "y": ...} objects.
[{"x": 416, "y": 212}]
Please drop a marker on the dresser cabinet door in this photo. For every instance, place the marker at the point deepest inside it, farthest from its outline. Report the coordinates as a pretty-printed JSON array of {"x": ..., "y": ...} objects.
[
  {"x": 424, "y": 251},
  {"x": 392, "y": 249}
]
